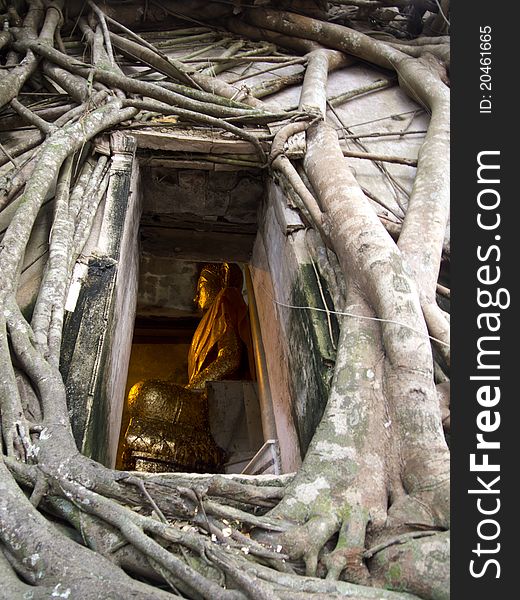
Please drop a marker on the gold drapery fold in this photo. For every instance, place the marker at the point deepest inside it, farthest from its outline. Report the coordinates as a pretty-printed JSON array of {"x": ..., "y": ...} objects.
[{"x": 227, "y": 311}]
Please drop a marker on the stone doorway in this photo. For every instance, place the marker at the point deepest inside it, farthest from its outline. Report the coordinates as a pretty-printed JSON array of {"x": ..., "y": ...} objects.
[{"x": 157, "y": 225}]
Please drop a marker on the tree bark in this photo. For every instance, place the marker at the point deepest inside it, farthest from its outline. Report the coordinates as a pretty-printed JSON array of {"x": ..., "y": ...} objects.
[{"x": 376, "y": 473}]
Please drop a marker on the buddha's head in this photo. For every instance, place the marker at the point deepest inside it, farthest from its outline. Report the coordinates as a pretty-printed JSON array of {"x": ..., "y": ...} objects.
[{"x": 213, "y": 278}]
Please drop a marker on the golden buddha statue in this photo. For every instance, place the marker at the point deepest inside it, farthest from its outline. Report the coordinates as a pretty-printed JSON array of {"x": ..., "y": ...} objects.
[{"x": 169, "y": 423}]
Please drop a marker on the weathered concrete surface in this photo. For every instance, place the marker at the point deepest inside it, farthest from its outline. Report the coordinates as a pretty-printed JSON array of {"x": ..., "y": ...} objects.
[
  {"x": 234, "y": 415},
  {"x": 190, "y": 217},
  {"x": 124, "y": 306},
  {"x": 166, "y": 286},
  {"x": 299, "y": 350},
  {"x": 97, "y": 335},
  {"x": 187, "y": 196},
  {"x": 277, "y": 361}
]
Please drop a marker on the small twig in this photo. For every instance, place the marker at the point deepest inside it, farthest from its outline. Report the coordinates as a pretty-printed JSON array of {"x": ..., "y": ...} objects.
[
  {"x": 380, "y": 84},
  {"x": 200, "y": 502},
  {"x": 400, "y": 539},
  {"x": 392, "y": 116},
  {"x": 410, "y": 121},
  {"x": 106, "y": 34},
  {"x": 140, "y": 484},
  {"x": 224, "y": 64},
  {"x": 191, "y": 41},
  {"x": 249, "y": 56},
  {"x": 200, "y": 51},
  {"x": 335, "y": 101},
  {"x": 32, "y": 118},
  {"x": 356, "y": 136},
  {"x": 11, "y": 158},
  {"x": 410, "y": 162},
  {"x": 294, "y": 61}
]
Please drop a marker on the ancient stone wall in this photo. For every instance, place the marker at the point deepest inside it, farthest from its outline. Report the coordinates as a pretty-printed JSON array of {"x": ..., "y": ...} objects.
[{"x": 299, "y": 344}]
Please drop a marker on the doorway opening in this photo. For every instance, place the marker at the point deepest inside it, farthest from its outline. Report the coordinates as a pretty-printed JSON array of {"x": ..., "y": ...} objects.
[
  {"x": 167, "y": 414},
  {"x": 193, "y": 221}
]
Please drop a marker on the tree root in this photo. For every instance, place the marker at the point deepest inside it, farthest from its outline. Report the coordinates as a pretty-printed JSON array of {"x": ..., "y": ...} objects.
[
  {"x": 348, "y": 555},
  {"x": 47, "y": 557},
  {"x": 327, "y": 587},
  {"x": 15, "y": 427},
  {"x": 197, "y": 117},
  {"x": 307, "y": 541},
  {"x": 13, "y": 587},
  {"x": 136, "y": 529},
  {"x": 379, "y": 442},
  {"x": 419, "y": 566},
  {"x": 255, "y": 589}
]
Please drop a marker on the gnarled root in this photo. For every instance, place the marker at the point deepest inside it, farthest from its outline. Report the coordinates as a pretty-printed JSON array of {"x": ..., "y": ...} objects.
[{"x": 420, "y": 566}]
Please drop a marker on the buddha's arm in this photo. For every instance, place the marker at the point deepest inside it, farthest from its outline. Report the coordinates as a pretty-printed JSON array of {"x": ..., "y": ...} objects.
[{"x": 226, "y": 362}]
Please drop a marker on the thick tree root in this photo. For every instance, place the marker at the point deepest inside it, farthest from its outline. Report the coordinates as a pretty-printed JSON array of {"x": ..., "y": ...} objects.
[
  {"x": 420, "y": 566},
  {"x": 376, "y": 471}
]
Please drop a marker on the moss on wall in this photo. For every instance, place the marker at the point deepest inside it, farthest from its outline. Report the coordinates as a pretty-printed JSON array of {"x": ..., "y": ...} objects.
[{"x": 312, "y": 353}]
